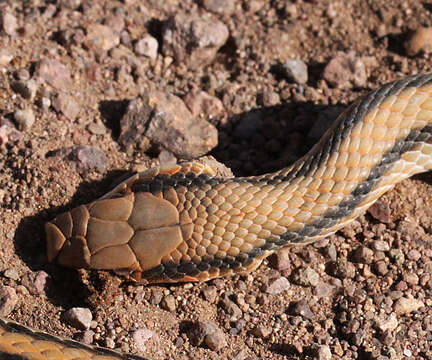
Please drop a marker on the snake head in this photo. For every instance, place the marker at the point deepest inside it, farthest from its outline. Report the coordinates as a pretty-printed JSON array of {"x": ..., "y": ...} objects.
[{"x": 65, "y": 235}]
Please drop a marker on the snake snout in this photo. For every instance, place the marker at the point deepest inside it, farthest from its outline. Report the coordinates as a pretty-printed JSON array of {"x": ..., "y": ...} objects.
[{"x": 66, "y": 243}]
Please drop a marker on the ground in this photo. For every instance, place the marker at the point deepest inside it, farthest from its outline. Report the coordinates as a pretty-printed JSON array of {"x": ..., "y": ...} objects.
[{"x": 364, "y": 293}]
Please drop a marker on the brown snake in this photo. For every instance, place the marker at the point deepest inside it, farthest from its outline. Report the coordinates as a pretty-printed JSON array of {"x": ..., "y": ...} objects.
[{"x": 184, "y": 223}]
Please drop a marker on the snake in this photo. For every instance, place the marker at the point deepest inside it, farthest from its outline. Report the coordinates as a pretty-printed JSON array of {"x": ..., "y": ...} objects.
[{"x": 184, "y": 222}]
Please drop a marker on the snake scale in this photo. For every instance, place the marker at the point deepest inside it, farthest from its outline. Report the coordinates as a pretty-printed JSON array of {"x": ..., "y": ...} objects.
[{"x": 184, "y": 223}]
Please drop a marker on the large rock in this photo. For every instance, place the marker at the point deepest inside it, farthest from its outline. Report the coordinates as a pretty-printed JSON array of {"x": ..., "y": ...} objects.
[
  {"x": 193, "y": 40},
  {"x": 165, "y": 120}
]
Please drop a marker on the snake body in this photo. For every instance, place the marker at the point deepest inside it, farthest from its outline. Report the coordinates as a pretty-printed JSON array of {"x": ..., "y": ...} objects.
[{"x": 185, "y": 223}]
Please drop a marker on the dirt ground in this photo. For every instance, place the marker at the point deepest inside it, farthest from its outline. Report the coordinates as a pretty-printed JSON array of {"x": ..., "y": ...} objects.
[{"x": 363, "y": 293}]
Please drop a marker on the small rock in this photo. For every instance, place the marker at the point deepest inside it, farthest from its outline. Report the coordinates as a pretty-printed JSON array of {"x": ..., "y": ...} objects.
[
  {"x": 323, "y": 289},
  {"x": 165, "y": 120},
  {"x": 363, "y": 255},
  {"x": 387, "y": 323},
  {"x": 209, "y": 333},
  {"x": 414, "y": 255},
  {"x": 222, "y": 7},
  {"x": 26, "y": 88},
  {"x": 342, "y": 269},
  {"x": 306, "y": 277},
  {"x": 54, "y": 73},
  {"x": 281, "y": 260},
  {"x": 6, "y": 56},
  {"x": 8, "y": 300},
  {"x": 168, "y": 303},
  {"x": 11, "y": 273},
  {"x": 345, "y": 70},
  {"x": 9, "y": 23},
  {"x": 193, "y": 40},
  {"x": 35, "y": 282},
  {"x": 323, "y": 352},
  {"x": 141, "y": 337},
  {"x": 101, "y": 38},
  {"x": 109, "y": 343},
  {"x": 70, "y": 4},
  {"x": 204, "y": 105},
  {"x": 84, "y": 157},
  {"x": 147, "y": 46},
  {"x": 8, "y": 133},
  {"x": 97, "y": 129},
  {"x": 156, "y": 296},
  {"x": 380, "y": 210},
  {"x": 79, "y": 318},
  {"x": 231, "y": 308},
  {"x": 380, "y": 267},
  {"x": 261, "y": 331},
  {"x": 406, "y": 305},
  {"x": 420, "y": 41},
  {"x": 269, "y": 98},
  {"x": 87, "y": 337},
  {"x": 411, "y": 278},
  {"x": 66, "y": 105},
  {"x": 380, "y": 245},
  {"x": 301, "y": 308},
  {"x": 277, "y": 286},
  {"x": 24, "y": 119},
  {"x": 209, "y": 293},
  {"x": 296, "y": 71}
]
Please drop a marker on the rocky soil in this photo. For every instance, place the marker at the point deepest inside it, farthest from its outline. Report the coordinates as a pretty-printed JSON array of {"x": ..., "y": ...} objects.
[{"x": 91, "y": 91}]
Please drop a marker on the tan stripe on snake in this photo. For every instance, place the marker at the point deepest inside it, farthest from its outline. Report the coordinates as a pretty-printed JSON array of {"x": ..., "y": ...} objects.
[{"x": 184, "y": 223}]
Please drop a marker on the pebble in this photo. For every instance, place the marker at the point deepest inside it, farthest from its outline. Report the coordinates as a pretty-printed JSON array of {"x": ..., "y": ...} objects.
[
  {"x": 231, "y": 308},
  {"x": 101, "y": 38},
  {"x": 306, "y": 277},
  {"x": 35, "y": 282},
  {"x": 363, "y": 255},
  {"x": 9, "y": 23},
  {"x": 342, "y": 269},
  {"x": 414, "y": 255},
  {"x": 301, "y": 308},
  {"x": 380, "y": 267},
  {"x": 6, "y": 56},
  {"x": 147, "y": 46},
  {"x": 323, "y": 289},
  {"x": 296, "y": 71},
  {"x": 210, "y": 293},
  {"x": 97, "y": 129},
  {"x": 207, "y": 332},
  {"x": 54, "y": 73},
  {"x": 386, "y": 322},
  {"x": 141, "y": 337},
  {"x": 165, "y": 120},
  {"x": 26, "y": 88},
  {"x": 193, "y": 41},
  {"x": 405, "y": 305},
  {"x": 66, "y": 105},
  {"x": 323, "y": 352},
  {"x": 345, "y": 70},
  {"x": 380, "y": 211},
  {"x": 281, "y": 260},
  {"x": 78, "y": 317},
  {"x": 380, "y": 245},
  {"x": 84, "y": 157},
  {"x": 168, "y": 303},
  {"x": 8, "y": 300},
  {"x": 261, "y": 331},
  {"x": 222, "y": 7},
  {"x": 24, "y": 119},
  {"x": 87, "y": 337},
  {"x": 420, "y": 41},
  {"x": 277, "y": 286},
  {"x": 11, "y": 273}
]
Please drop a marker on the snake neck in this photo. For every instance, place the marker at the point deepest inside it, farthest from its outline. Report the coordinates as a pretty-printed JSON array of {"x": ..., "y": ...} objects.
[{"x": 378, "y": 141}]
